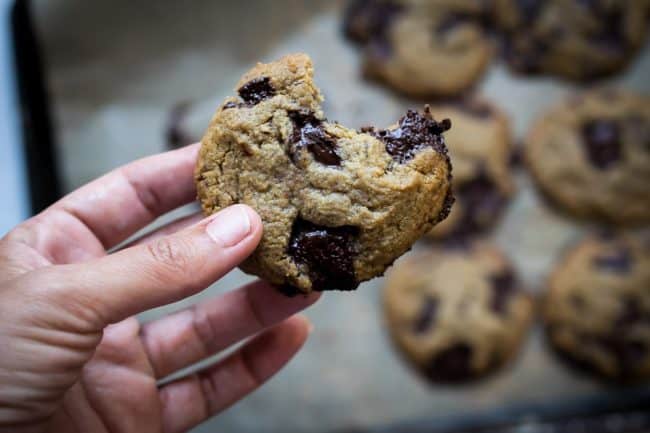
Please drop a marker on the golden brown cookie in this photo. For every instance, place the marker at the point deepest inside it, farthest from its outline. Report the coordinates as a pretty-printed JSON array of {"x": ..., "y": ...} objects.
[
  {"x": 422, "y": 48},
  {"x": 591, "y": 155},
  {"x": 457, "y": 313},
  {"x": 338, "y": 205},
  {"x": 579, "y": 40},
  {"x": 597, "y": 310}
]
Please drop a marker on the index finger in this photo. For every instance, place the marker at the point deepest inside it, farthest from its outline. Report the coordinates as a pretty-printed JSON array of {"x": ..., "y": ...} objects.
[{"x": 128, "y": 198}]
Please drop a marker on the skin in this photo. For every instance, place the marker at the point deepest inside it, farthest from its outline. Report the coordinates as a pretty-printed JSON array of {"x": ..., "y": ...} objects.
[{"x": 72, "y": 356}]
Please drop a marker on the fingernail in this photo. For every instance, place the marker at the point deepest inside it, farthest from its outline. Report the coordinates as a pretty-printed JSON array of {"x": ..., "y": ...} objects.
[{"x": 230, "y": 226}]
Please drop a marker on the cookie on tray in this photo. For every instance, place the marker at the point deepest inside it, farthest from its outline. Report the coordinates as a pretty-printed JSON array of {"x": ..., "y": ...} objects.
[
  {"x": 597, "y": 310},
  {"x": 434, "y": 48},
  {"x": 578, "y": 40},
  {"x": 591, "y": 155},
  {"x": 480, "y": 148},
  {"x": 456, "y": 313},
  {"x": 338, "y": 205}
]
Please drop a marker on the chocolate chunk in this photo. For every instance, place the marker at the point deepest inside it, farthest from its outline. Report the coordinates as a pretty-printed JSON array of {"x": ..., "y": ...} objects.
[
  {"x": 612, "y": 33},
  {"x": 451, "y": 365},
  {"x": 415, "y": 132},
  {"x": 482, "y": 203},
  {"x": 308, "y": 133},
  {"x": 602, "y": 143},
  {"x": 503, "y": 287},
  {"x": 529, "y": 9},
  {"x": 618, "y": 261},
  {"x": 369, "y": 22},
  {"x": 328, "y": 252},
  {"x": 256, "y": 90},
  {"x": 230, "y": 104},
  {"x": 427, "y": 316},
  {"x": 632, "y": 314}
]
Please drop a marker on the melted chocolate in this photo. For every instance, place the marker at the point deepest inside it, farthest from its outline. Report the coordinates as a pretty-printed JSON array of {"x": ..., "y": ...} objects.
[
  {"x": 415, "y": 132},
  {"x": 308, "y": 133},
  {"x": 451, "y": 365},
  {"x": 256, "y": 90},
  {"x": 602, "y": 142},
  {"x": 328, "y": 252}
]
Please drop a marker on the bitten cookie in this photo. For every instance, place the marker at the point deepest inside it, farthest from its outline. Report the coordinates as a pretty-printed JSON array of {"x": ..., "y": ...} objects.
[
  {"x": 456, "y": 314},
  {"x": 597, "y": 310},
  {"x": 591, "y": 155},
  {"x": 480, "y": 147},
  {"x": 435, "y": 48},
  {"x": 338, "y": 206},
  {"x": 579, "y": 40}
]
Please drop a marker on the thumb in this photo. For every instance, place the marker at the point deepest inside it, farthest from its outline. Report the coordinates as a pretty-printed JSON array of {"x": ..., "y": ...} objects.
[{"x": 168, "y": 269}]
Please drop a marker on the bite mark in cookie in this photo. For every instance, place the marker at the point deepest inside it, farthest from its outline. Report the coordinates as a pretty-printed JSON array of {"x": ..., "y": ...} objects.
[{"x": 415, "y": 132}]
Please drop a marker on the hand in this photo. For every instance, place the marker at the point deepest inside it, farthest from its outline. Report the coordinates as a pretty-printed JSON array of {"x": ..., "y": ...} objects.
[{"x": 71, "y": 357}]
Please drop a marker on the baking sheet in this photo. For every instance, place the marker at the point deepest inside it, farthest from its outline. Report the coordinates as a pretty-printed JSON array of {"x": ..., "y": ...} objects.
[{"x": 117, "y": 68}]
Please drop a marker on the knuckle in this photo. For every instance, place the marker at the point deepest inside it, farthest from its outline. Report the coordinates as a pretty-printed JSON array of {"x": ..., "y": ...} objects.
[
  {"x": 172, "y": 257},
  {"x": 172, "y": 254}
]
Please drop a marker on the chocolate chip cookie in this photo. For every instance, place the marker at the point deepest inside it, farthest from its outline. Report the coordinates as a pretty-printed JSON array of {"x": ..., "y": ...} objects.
[
  {"x": 456, "y": 313},
  {"x": 597, "y": 310},
  {"x": 338, "y": 205},
  {"x": 420, "y": 48},
  {"x": 591, "y": 155},
  {"x": 579, "y": 40},
  {"x": 480, "y": 147}
]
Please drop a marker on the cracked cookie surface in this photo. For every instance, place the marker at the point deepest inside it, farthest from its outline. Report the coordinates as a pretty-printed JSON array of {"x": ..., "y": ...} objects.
[
  {"x": 591, "y": 155},
  {"x": 457, "y": 312},
  {"x": 338, "y": 205},
  {"x": 597, "y": 311}
]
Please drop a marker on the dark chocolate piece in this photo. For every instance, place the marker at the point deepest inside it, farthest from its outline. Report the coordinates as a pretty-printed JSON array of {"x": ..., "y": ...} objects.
[
  {"x": 256, "y": 90},
  {"x": 452, "y": 365},
  {"x": 415, "y": 132},
  {"x": 618, "y": 261},
  {"x": 602, "y": 143},
  {"x": 328, "y": 252},
  {"x": 427, "y": 316},
  {"x": 503, "y": 287},
  {"x": 369, "y": 21},
  {"x": 308, "y": 133}
]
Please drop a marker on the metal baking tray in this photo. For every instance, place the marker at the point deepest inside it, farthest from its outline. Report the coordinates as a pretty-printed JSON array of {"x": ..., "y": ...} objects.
[{"x": 115, "y": 72}]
